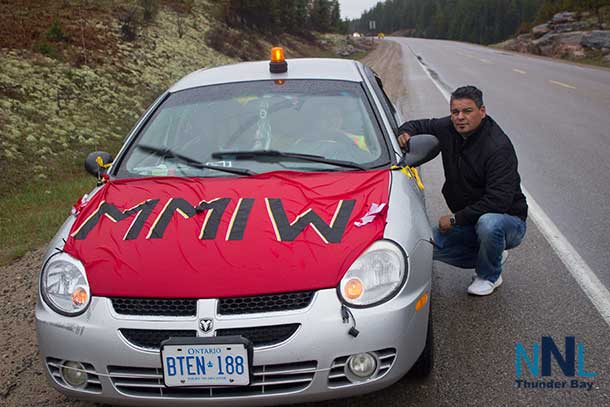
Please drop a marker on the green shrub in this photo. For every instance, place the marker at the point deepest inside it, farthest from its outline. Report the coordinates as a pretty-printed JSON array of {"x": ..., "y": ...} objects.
[
  {"x": 216, "y": 38},
  {"x": 55, "y": 33},
  {"x": 237, "y": 44},
  {"x": 129, "y": 26},
  {"x": 45, "y": 48},
  {"x": 150, "y": 10}
]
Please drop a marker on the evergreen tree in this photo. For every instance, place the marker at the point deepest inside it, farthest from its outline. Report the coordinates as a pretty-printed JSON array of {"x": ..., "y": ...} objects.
[
  {"x": 277, "y": 16},
  {"x": 320, "y": 15},
  {"x": 301, "y": 15},
  {"x": 483, "y": 21},
  {"x": 285, "y": 19},
  {"x": 335, "y": 15}
]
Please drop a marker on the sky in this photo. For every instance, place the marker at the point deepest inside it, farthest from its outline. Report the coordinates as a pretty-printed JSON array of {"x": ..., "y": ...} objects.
[{"x": 353, "y": 8}]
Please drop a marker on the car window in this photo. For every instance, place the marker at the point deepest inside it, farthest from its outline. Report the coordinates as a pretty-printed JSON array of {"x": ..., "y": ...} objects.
[
  {"x": 388, "y": 107},
  {"x": 327, "y": 118}
]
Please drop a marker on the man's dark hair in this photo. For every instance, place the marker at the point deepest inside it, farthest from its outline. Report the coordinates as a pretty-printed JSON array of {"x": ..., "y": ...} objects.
[{"x": 468, "y": 92}]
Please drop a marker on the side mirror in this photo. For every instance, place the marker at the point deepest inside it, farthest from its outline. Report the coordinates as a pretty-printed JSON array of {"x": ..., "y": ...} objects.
[
  {"x": 98, "y": 167},
  {"x": 422, "y": 148}
]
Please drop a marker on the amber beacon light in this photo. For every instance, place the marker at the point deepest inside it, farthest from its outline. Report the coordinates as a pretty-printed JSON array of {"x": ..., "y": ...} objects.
[{"x": 278, "y": 64}]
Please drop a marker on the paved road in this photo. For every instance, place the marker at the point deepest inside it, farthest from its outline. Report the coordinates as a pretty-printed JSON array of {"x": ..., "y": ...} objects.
[
  {"x": 561, "y": 133},
  {"x": 558, "y": 116}
]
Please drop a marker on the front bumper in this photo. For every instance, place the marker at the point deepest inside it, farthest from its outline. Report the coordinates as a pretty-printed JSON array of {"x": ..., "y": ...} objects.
[{"x": 305, "y": 367}]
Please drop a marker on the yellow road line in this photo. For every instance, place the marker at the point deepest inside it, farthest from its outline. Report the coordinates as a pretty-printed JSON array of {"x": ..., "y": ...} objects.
[
  {"x": 485, "y": 61},
  {"x": 519, "y": 71},
  {"x": 565, "y": 85}
]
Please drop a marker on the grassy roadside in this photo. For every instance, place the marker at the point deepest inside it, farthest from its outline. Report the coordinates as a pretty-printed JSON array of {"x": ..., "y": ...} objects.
[
  {"x": 53, "y": 112},
  {"x": 32, "y": 216},
  {"x": 595, "y": 58},
  {"x": 56, "y": 107}
]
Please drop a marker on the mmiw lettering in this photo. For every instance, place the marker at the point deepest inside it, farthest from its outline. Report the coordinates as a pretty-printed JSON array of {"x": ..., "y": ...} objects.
[{"x": 210, "y": 213}]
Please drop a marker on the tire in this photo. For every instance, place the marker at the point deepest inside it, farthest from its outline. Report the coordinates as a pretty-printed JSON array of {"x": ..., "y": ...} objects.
[{"x": 424, "y": 364}]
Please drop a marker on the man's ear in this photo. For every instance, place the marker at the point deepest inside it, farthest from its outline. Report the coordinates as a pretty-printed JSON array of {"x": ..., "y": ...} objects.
[{"x": 483, "y": 110}]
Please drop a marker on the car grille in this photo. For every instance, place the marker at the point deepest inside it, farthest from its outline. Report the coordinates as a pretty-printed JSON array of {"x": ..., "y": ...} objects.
[
  {"x": 265, "y": 303},
  {"x": 259, "y": 336},
  {"x": 267, "y": 379},
  {"x": 93, "y": 382},
  {"x": 152, "y": 338},
  {"x": 337, "y": 377},
  {"x": 262, "y": 335},
  {"x": 179, "y": 307},
  {"x": 171, "y": 307}
]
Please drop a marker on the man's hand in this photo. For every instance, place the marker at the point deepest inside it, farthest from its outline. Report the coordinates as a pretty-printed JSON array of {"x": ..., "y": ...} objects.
[
  {"x": 403, "y": 140},
  {"x": 444, "y": 224}
]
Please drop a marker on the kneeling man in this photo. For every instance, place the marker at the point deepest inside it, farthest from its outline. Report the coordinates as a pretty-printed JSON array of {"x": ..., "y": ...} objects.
[{"x": 482, "y": 189}]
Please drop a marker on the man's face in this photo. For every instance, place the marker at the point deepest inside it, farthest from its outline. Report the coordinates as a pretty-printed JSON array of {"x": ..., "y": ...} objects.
[{"x": 465, "y": 115}]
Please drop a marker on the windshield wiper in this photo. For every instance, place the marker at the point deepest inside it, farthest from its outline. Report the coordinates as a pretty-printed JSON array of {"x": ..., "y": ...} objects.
[
  {"x": 246, "y": 155},
  {"x": 168, "y": 153}
]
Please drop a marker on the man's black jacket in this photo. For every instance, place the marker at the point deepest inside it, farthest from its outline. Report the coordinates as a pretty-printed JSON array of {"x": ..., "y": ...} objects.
[{"x": 480, "y": 172}]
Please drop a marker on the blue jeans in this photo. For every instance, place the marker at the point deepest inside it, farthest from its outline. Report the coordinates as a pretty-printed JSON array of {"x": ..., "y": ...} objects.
[{"x": 480, "y": 246}]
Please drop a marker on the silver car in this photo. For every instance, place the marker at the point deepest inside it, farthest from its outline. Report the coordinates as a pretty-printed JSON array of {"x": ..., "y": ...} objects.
[{"x": 259, "y": 239}]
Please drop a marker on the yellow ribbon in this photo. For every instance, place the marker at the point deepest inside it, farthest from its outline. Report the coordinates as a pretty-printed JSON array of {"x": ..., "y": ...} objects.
[
  {"x": 242, "y": 100},
  {"x": 420, "y": 184},
  {"x": 410, "y": 172},
  {"x": 100, "y": 162}
]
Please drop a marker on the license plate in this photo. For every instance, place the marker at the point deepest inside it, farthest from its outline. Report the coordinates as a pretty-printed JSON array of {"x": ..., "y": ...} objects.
[{"x": 206, "y": 361}]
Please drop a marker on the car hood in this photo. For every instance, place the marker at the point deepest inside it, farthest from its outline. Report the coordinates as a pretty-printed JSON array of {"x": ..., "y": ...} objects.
[{"x": 170, "y": 237}]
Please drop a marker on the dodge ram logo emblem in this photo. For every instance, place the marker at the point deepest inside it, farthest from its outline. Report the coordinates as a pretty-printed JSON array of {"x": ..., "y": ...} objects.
[{"x": 206, "y": 324}]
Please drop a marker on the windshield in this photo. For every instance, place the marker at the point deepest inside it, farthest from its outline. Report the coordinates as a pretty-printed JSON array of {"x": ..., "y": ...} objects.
[{"x": 330, "y": 119}]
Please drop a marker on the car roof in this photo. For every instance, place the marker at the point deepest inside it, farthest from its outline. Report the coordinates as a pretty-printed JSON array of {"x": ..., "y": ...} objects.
[{"x": 305, "y": 68}]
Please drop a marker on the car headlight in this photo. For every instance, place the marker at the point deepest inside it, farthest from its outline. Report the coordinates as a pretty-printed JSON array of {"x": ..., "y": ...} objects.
[
  {"x": 375, "y": 276},
  {"x": 64, "y": 286}
]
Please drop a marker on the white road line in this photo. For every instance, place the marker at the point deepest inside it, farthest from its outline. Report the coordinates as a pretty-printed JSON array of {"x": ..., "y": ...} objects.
[
  {"x": 580, "y": 270},
  {"x": 565, "y": 85},
  {"x": 519, "y": 71},
  {"x": 597, "y": 293}
]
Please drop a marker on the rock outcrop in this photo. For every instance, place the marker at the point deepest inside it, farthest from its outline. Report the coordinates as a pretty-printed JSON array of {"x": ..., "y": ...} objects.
[{"x": 567, "y": 35}]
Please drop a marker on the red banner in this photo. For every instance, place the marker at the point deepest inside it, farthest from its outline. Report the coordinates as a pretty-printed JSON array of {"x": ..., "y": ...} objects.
[{"x": 177, "y": 237}]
